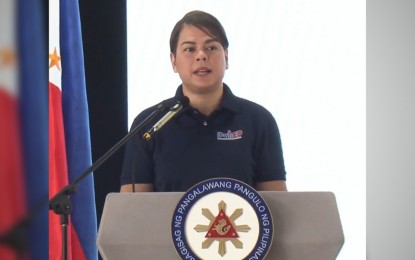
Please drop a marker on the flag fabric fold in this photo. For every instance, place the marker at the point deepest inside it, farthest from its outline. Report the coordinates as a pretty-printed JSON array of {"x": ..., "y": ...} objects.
[
  {"x": 33, "y": 105},
  {"x": 69, "y": 137}
]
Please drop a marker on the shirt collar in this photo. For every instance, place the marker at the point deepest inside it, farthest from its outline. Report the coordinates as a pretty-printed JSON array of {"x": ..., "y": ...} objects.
[{"x": 229, "y": 100}]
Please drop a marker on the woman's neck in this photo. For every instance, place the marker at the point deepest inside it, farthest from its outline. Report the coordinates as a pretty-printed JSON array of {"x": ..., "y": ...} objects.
[{"x": 205, "y": 103}]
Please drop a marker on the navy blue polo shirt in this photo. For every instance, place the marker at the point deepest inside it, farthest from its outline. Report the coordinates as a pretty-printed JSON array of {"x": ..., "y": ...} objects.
[{"x": 239, "y": 140}]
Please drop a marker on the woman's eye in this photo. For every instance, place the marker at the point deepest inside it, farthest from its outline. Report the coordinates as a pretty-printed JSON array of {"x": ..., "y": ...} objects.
[
  {"x": 189, "y": 49},
  {"x": 212, "y": 48}
]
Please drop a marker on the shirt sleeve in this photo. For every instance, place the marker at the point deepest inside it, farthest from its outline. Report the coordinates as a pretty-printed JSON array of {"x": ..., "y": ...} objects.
[{"x": 268, "y": 151}]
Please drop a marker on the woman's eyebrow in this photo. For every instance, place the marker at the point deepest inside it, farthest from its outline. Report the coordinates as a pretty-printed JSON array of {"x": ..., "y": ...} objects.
[
  {"x": 206, "y": 42},
  {"x": 211, "y": 40},
  {"x": 188, "y": 42}
]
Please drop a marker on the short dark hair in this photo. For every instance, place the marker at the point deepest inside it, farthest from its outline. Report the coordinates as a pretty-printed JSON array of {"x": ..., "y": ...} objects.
[{"x": 205, "y": 22}]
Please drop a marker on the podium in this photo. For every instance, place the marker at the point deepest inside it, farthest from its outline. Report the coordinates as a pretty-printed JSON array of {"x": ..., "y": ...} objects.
[{"x": 138, "y": 225}]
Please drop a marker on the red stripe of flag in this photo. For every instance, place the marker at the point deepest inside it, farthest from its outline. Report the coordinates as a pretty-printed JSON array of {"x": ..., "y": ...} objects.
[
  {"x": 58, "y": 173},
  {"x": 12, "y": 199}
]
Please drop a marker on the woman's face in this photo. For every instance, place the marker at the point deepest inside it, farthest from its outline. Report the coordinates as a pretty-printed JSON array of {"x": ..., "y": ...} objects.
[{"x": 200, "y": 60}]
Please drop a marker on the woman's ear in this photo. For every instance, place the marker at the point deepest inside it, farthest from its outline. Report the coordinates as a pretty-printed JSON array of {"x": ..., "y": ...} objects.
[
  {"x": 226, "y": 59},
  {"x": 173, "y": 62}
]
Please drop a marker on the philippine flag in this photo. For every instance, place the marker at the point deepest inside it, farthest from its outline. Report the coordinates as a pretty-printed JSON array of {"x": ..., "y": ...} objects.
[
  {"x": 12, "y": 195},
  {"x": 23, "y": 132},
  {"x": 69, "y": 139}
]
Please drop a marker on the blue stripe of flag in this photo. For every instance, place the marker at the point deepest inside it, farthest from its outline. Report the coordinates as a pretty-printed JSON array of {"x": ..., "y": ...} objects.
[
  {"x": 33, "y": 86},
  {"x": 76, "y": 124}
]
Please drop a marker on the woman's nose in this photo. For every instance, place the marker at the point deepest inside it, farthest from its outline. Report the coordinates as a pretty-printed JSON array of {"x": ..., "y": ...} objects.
[{"x": 201, "y": 56}]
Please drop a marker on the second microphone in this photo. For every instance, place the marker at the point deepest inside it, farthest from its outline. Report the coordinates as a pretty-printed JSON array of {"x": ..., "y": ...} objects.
[{"x": 182, "y": 102}]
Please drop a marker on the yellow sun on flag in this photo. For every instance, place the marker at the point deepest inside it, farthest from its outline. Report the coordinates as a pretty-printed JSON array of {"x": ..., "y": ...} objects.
[
  {"x": 54, "y": 60},
  {"x": 7, "y": 57}
]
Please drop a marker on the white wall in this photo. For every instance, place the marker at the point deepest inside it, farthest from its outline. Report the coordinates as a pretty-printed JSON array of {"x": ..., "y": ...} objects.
[{"x": 302, "y": 60}]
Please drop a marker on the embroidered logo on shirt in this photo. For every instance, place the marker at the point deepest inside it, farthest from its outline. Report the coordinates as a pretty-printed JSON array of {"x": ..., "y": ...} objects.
[{"x": 230, "y": 135}]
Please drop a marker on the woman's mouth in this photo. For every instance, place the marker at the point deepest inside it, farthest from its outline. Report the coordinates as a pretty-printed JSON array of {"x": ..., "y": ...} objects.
[{"x": 202, "y": 71}]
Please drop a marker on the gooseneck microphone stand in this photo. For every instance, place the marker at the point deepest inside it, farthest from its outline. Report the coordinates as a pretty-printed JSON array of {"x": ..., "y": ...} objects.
[{"x": 61, "y": 204}]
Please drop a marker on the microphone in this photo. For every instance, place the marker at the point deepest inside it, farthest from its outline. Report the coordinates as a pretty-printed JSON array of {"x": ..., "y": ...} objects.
[{"x": 182, "y": 102}]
